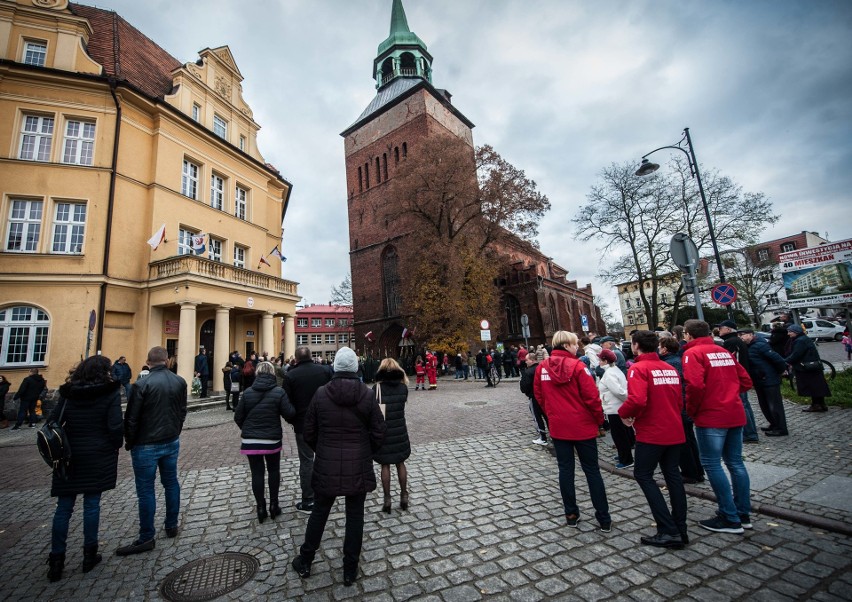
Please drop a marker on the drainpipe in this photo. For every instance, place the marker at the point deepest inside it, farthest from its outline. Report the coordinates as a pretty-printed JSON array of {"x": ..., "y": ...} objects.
[{"x": 110, "y": 206}]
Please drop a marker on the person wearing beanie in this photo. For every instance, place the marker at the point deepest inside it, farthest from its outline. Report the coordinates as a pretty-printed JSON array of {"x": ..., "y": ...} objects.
[
  {"x": 807, "y": 366},
  {"x": 345, "y": 427}
]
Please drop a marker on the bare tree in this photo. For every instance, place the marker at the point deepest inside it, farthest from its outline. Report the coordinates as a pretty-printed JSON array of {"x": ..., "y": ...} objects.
[
  {"x": 342, "y": 294},
  {"x": 755, "y": 280}
]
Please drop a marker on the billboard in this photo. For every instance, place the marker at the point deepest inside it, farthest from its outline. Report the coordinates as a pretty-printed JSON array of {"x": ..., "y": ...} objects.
[{"x": 818, "y": 276}]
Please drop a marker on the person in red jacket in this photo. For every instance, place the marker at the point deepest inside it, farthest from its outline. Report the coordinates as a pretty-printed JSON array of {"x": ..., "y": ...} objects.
[
  {"x": 432, "y": 370},
  {"x": 566, "y": 392},
  {"x": 653, "y": 409},
  {"x": 714, "y": 381}
]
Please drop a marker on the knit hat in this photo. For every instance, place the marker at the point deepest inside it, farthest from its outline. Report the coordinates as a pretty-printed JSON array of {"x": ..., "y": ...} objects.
[
  {"x": 345, "y": 360},
  {"x": 607, "y": 356},
  {"x": 541, "y": 354},
  {"x": 795, "y": 328}
]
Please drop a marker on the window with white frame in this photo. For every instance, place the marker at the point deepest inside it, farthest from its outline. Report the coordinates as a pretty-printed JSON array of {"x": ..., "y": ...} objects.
[
  {"x": 23, "y": 336},
  {"x": 627, "y": 303},
  {"x": 240, "y": 198},
  {"x": 35, "y": 53},
  {"x": 217, "y": 192},
  {"x": 220, "y": 127},
  {"x": 214, "y": 250},
  {"x": 788, "y": 246},
  {"x": 24, "y": 225},
  {"x": 330, "y": 339},
  {"x": 189, "y": 179},
  {"x": 316, "y": 339},
  {"x": 185, "y": 242},
  {"x": 69, "y": 228},
  {"x": 630, "y": 320},
  {"x": 329, "y": 322},
  {"x": 766, "y": 276},
  {"x": 301, "y": 339},
  {"x": 763, "y": 254},
  {"x": 242, "y": 143},
  {"x": 343, "y": 338},
  {"x": 329, "y": 356},
  {"x": 196, "y": 111},
  {"x": 240, "y": 254},
  {"x": 79, "y": 142},
  {"x": 316, "y": 355},
  {"x": 316, "y": 322},
  {"x": 772, "y": 299},
  {"x": 36, "y": 138},
  {"x": 302, "y": 322}
]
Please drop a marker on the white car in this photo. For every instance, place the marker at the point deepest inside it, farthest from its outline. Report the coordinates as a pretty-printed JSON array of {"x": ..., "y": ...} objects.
[{"x": 823, "y": 329}]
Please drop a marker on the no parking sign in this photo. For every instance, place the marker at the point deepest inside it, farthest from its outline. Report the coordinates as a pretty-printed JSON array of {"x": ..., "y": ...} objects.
[{"x": 724, "y": 294}]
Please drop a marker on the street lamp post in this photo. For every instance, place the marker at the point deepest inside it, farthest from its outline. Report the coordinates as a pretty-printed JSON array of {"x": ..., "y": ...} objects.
[{"x": 647, "y": 168}]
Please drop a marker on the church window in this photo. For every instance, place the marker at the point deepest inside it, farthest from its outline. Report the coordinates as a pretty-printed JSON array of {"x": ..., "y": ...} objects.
[
  {"x": 360, "y": 180},
  {"x": 390, "y": 282},
  {"x": 367, "y": 175},
  {"x": 385, "y": 164},
  {"x": 513, "y": 315},
  {"x": 378, "y": 170},
  {"x": 553, "y": 320},
  {"x": 404, "y": 150},
  {"x": 396, "y": 154}
]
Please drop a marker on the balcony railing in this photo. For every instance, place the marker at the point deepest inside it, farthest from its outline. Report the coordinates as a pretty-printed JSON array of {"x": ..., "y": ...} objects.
[{"x": 191, "y": 265}]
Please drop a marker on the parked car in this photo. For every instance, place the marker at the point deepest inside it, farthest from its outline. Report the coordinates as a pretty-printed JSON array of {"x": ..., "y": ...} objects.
[{"x": 823, "y": 329}]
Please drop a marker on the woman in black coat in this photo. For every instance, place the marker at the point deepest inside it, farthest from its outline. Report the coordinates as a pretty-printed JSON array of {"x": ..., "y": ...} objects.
[
  {"x": 258, "y": 415},
  {"x": 93, "y": 424},
  {"x": 344, "y": 426},
  {"x": 392, "y": 392},
  {"x": 809, "y": 382}
]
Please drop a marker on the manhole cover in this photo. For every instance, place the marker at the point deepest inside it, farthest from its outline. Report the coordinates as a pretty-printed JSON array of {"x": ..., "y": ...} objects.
[
  {"x": 475, "y": 403},
  {"x": 210, "y": 577}
]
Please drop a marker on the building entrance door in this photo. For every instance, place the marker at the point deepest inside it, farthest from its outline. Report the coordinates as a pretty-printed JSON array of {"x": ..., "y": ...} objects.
[{"x": 206, "y": 340}]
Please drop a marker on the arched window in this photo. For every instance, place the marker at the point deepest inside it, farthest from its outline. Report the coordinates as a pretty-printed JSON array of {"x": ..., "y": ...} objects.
[
  {"x": 378, "y": 170},
  {"x": 360, "y": 180},
  {"x": 367, "y": 174},
  {"x": 513, "y": 315},
  {"x": 396, "y": 154},
  {"x": 387, "y": 70},
  {"x": 551, "y": 311},
  {"x": 23, "y": 333},
  {"x": 404, "y": 150},
  {"x": 385, "y": 164},
  {"x": 407, "y": 64},
  {"x": 390, "y": 282}
]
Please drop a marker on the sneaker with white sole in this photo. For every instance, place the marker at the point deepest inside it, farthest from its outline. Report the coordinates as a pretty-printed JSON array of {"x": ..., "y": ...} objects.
[
  {"x": 745, "y": 521},
  {"x": 720, "y": 524},
  {"x": 539, "y": 441}
]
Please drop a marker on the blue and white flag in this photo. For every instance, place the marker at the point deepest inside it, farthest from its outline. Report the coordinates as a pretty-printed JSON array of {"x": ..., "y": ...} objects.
[{"x": 199, "y": 245}]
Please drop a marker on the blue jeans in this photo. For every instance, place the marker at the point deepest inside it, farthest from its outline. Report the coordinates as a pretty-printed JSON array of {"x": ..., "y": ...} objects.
[
  {"x": 587, "y": 452},
  {"x": 146, "y": 460},
  {"x": 62, "y": 516},
  {"x": 715, "y": 445},
  {"x": 750, "y": 428}
]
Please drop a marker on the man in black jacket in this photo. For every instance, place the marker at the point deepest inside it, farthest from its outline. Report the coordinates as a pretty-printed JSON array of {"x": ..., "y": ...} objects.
[
  {"x": 29, "y": 392},
  {"x": 301, "y": 382},
  {"x": 152, "y": 425},
  {"x": 739, "y": 349},
  {"x": 202, "y": 371}
]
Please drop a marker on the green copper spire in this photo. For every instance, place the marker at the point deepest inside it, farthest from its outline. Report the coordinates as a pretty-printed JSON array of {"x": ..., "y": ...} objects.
[{"x": 402, "y": 54}]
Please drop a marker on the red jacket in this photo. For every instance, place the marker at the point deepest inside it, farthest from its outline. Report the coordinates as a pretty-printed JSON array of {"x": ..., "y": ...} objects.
[
  {"x": 654, "y": 400},
  {"x": 567, "y": 394},
  {"x": 714, "y": 381}
]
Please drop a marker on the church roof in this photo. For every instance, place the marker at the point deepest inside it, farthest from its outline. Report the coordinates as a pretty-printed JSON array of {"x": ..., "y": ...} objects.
[
  {"x": 399, "y": 89},
  {"x": 400, "y": 34}
]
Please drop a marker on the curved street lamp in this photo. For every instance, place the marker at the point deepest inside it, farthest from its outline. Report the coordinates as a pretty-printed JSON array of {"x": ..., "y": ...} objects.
[{"x": 647, "y": 168}]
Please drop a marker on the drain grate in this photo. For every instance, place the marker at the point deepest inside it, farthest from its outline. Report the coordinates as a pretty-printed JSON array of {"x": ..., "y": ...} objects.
[
  {"x": 475, "y": 403},
  {"x": 210, "y": 577}
]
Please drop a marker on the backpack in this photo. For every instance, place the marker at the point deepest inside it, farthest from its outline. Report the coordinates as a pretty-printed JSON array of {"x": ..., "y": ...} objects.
[{"x": 53, "y": 445}]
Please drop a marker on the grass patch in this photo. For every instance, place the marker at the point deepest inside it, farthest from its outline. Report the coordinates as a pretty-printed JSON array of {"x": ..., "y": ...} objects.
[{"x": 841, "y": 391}]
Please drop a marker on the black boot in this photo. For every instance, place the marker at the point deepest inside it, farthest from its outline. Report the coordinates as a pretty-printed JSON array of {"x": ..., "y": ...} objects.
[
  {"x": 57, "y": 563},
  {"x": 90, "y": 557},
  {"x": 261, "y": 513},
  {"x": 274, "y": 509}
]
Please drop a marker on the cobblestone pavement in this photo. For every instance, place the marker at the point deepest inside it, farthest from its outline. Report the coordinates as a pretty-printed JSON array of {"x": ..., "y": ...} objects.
[{"x": 485, "y": 521}]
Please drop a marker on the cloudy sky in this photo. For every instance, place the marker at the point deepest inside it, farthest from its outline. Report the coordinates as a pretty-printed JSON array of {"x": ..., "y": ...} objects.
[{"x": 561, "y": 88}]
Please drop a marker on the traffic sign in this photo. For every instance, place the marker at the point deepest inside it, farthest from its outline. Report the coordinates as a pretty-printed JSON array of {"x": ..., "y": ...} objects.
[
  {"x": 584, "y": 320},
  {"x": 485, "y": 335},
  {"x": 683, "y": 251},
  {"x": 724, "y": 294},
  {"x": 484, "y": 324}
]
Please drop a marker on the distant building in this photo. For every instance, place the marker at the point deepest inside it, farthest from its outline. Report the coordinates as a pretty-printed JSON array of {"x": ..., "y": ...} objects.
[
  {"x": 104, "y": 138},
  {"x": 325, "y": 329}
]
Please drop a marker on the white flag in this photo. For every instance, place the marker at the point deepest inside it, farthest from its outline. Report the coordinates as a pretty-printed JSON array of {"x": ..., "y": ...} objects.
[{"x": 158, "y": 238}]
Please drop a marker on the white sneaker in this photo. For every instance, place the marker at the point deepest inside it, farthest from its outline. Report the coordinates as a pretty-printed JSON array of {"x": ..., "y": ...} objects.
[{"x": 540, "y": 441}]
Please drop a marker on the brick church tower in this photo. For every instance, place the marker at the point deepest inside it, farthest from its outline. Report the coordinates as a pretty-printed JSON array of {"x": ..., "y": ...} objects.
[{"x": 406, "y": 110}]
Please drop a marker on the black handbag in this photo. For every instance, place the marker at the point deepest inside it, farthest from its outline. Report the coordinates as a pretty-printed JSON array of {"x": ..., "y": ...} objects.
[
  {"x": 53, "y": 444},
  {"x": 815, "y": 366}
]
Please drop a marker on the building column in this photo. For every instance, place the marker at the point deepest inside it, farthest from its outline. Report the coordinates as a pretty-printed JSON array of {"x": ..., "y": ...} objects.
[
  {"x": 221, "y": 348},
  {"x": 187, "y": 342},
  {"x": 266, "y": 338},
  {"x": 289, "y": 335}
]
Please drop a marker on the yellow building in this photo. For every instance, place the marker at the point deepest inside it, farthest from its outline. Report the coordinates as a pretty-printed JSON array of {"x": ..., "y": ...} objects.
[{"x": 104, "y": 138}]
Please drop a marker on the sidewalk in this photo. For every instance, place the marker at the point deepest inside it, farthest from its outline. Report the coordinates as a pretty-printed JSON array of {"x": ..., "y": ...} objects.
[{"x": 485, "y": 521}]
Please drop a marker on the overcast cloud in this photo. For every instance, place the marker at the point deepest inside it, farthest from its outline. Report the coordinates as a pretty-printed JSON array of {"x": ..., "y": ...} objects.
[{"x": 560, "y": 88}]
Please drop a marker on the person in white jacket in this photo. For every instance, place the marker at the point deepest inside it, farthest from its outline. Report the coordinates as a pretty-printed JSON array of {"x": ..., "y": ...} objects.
[{"x": 613, "y": 389}]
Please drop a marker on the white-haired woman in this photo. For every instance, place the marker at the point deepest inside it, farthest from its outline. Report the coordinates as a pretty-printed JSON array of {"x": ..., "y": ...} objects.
[{"x": 258, "y": 415}]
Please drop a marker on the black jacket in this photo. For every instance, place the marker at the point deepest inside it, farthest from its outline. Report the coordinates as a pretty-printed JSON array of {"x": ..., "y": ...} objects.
[
  {"x": 301, "y": 382},
  {"x": 738, "y": 348},
  {"x": 765, "y": 366},
  {"x": 92, "y": 420},
  {"x": 527, "y": 379},
  {"x": 31, "y": 387},
  {"x": 156, "y": 408},
  {"x": 261, "y": 408},
  {"x": 396, "y": 447},
  {"x": 808, "y": 383},
  {"x": 202, "y": 366},
  {"x": 344, "y": 426}
]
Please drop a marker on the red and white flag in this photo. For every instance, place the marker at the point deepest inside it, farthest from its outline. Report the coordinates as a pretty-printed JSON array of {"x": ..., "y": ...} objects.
[
  {"x": 158, "y": 238},
  {"x": 262, "y": 261}
]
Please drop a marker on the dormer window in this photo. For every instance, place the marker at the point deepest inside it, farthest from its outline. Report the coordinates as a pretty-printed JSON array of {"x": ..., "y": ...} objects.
[
  {"x": 35, "y": 53},
  {"x": 220, "y": 127}
]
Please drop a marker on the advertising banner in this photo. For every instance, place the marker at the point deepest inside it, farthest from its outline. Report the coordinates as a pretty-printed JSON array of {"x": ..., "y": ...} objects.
[{"x": 818, "y": 276}]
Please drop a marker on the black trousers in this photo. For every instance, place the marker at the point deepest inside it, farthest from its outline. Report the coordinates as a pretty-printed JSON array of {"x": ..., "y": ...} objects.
[
  {"x": 648, "y": 456},
  {"x": 273, "y": 468},
  {"x": 354, "y": 529},
  {"x": 624, "y": 438},
  {"x": 772, "y": 406},
  {"x": 690, "y": 461}
]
